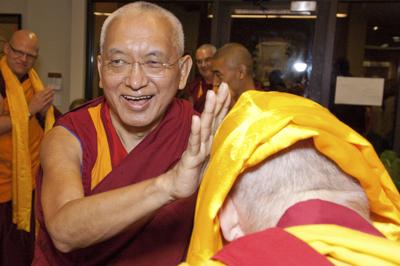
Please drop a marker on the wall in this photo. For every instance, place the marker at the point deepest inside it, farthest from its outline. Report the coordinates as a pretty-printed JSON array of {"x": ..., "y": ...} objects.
[{"x": 60, "y": 26}]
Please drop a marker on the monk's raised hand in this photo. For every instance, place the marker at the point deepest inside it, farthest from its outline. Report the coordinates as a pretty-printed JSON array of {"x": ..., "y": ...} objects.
[
  {"x": 223, "y": 101},
  {"x": 185, "y": 176}
]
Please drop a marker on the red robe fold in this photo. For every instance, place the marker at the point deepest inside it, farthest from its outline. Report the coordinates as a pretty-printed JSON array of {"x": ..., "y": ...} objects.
[
  {"x": 164, "y": 238},
  {"x": 275, "y": 246},
  {"x": 197, "y": 89}
]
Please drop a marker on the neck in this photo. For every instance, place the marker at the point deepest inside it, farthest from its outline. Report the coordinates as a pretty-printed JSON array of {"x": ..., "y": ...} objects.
[
  {"x": 248, "y": 85},
  {"x": 130, "y": 136}
]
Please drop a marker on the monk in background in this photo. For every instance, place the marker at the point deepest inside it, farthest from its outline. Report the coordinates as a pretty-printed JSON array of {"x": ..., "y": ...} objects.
[
  {"x": 24, "y": 103},
  {"x": 197, "y": 89},
  {"x": 233, "y": 64},
  {"x": 120, "y": 172}
]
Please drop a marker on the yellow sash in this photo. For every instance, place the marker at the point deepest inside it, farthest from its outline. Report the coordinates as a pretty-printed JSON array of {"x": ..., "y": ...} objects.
[
  {"x": 21, "y": 161},
  {"x": 261, "y": 124},
  {"x": 200, "y": 91},
  {"x": 102, "y": 165},
  {"x": 344, "y": 246}
]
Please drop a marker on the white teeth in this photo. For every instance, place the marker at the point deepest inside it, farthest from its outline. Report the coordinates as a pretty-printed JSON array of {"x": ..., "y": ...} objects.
[{"x": 138, "y": 98}]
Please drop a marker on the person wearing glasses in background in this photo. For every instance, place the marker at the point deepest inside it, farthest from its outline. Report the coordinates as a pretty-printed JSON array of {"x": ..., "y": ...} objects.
[
  {"x": 197, "y": 89},
  {"x": 120, "y": 173},
  {"x": 23, "y": 102}
]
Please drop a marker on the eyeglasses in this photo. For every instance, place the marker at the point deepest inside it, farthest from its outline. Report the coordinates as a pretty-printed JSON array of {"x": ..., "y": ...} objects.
[
  {"x": 206, "y": 60},
  {"x": 152, "y": 68},
  {"x": 20, "y": 53}
]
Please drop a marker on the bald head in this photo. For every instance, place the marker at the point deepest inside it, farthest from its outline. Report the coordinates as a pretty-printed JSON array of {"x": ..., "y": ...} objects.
[
  {"x": 207, "y": 46},
  {"x": 26, "y": 36},
  {"x": 21, "y": 51},
  {"x": 150, "y": 10},
  {"x": 235, "y": 54},
  {"x": 204, "y": 54},
  {"x": 233, "y": 64}
]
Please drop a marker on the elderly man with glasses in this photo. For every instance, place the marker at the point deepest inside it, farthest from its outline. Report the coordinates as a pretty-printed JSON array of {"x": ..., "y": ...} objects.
[
  {"x": 24, "y": 101},
  {"x": 120, "y": 172},
  {"x": 198, "y": 87}
]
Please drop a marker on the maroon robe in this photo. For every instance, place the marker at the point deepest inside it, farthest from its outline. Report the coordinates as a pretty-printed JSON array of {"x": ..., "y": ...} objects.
[
  {"x": 275, "y": 246},
  {"x": 163, "y": 240},
  {"x": 193, "y": 90}
]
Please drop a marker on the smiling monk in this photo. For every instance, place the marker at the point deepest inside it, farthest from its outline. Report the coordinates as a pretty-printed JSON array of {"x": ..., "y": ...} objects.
[{"x": 119, "y": 172}]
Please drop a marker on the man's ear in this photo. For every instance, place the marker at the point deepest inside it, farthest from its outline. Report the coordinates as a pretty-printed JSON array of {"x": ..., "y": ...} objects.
[
  {"x": 99, "y": 64},
  {"x": 185, "y": 66},
  {"x": 6, "y": 48},
  {"x": 242, "y": 71},
  {"x": 229, "y": 221}
]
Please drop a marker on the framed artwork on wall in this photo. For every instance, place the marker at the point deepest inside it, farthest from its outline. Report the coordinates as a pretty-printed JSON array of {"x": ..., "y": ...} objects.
[{"x": 8, "y": 24}]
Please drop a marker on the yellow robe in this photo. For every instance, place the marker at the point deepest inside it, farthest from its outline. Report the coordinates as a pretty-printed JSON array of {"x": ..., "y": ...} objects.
[{"x": 25, "y": 137}]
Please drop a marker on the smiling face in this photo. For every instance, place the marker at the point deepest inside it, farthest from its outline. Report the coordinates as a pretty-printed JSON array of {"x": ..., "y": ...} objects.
[
  {"x": 21, "y": 52},
  {"x": 228, "y": 74},
  {"x": 138, "y": 99},
  {"x": 204, "y": 62}
]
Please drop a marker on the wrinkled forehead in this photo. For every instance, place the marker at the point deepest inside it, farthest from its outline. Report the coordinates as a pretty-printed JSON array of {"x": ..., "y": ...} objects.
[{"x": 139, "y": 33}]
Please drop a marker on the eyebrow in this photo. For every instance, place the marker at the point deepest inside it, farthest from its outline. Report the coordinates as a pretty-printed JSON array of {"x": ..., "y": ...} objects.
[
  {"x": 114, "y": 51},
  {"x": 151, "y": 53}
]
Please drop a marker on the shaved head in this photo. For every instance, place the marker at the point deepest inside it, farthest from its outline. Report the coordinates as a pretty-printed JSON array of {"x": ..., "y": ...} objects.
[
  {"x": 26, "y": 36},
  {"x": 204, "y": 54},
  {"x": 21, "y": 51},
  {"x": 235, "y": 54},
  {"x": 207, "y": 46},
  {"x": 233, "y": 64}
]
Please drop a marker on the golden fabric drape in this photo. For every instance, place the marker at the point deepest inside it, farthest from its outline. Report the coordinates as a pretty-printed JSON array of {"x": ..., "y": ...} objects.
[
  {"x": 263, "y": 123},
  {"x": 21, "y": 161}
]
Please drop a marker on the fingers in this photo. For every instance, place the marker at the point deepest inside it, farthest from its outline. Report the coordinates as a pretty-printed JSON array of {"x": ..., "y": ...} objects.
[
  {"x": 223, "y": 97},
  {"x": 208, "y": 115},
  {"x": 194, "y": 144},
  {"x": 223, "y": 103},
  {"x": 47, "y": 95}
]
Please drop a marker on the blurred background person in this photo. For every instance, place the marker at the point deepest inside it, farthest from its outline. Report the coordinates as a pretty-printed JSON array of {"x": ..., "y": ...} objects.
[
  {"x": 24, "y": 103},
  {"x": 276, "y": 82},
  {"x": 197, "y": 89},
  {"x": 233, "y": 64}
]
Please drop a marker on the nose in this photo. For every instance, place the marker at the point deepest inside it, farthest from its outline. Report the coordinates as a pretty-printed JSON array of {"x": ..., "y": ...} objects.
[
  {"x": 203, "y": 63},
  {"x": 24, "y": 57},
  {"x": 136, "y": 78}
]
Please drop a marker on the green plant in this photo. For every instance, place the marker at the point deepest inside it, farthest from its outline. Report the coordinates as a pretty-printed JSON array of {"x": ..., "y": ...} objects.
[{"x": 392, "y": 164}]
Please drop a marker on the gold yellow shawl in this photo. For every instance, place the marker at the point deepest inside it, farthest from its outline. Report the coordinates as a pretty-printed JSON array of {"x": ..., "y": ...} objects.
[
  {"x": 261, "y": 124},
  {"x": 21, "y": 161}
]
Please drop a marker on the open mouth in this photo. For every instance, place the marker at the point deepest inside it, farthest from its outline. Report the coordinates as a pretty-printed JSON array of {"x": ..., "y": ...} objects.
[{"x": 137, "y": 98}]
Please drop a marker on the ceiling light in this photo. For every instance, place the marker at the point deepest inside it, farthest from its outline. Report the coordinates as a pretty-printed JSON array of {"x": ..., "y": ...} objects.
[
  {"x": 341, "y": 15},
  {"x": 396, "y": 38},
  {"x": 300, "y": 66},
  {"x": 101, "y": 14},
  {"x": 301, "y": 6},
  {"x": 248, "y": 16},
  {"x": 375, "y": 28}
]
